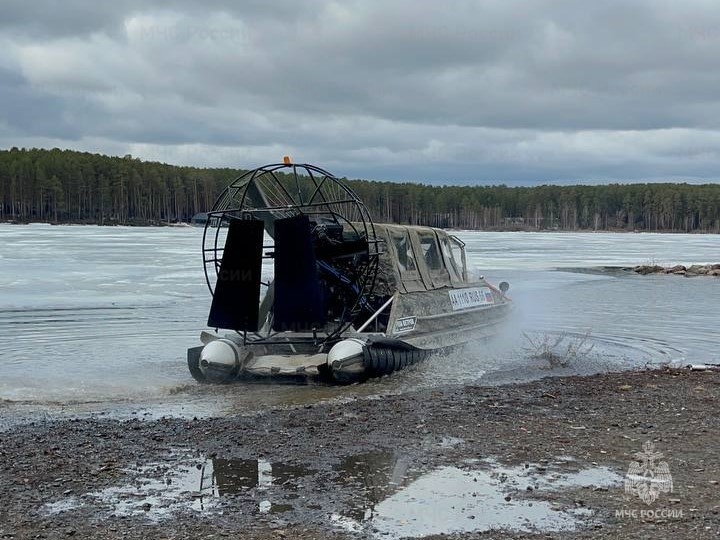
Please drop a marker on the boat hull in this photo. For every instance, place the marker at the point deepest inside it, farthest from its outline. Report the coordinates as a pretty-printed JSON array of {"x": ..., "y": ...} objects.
[{"x": 422, "y": 324}]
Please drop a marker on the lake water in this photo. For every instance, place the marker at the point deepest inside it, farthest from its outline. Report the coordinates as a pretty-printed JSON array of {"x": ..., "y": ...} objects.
[{"x": 98, "y": 319}]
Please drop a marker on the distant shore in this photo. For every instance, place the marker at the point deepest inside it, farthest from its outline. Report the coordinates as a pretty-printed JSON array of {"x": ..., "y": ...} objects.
[
  {"x": 695, "y": 270},
  {"x": 491, "y": 229},
  {"x": 65, "y": 186},
  {"x": 97, "y": 224}
]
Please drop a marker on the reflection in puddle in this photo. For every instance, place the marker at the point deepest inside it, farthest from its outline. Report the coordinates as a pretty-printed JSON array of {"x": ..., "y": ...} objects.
[
  {"x": 235, "y": 476},
  {"x": 197, "y": 487},
  {"x": 374, "y": 476},
  {"x": 224, "y": 477},
  {"x": 450, "y": 500}
]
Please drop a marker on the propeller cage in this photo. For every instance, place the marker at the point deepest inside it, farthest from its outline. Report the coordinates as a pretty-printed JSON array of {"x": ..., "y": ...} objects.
[{"x": 288, "y": 248}]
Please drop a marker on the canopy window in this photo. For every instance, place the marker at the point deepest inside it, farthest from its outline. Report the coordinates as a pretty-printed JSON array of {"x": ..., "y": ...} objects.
[
  {"x": 403, "y": 248},
  {"x": 452, "y": 265},
  {"x": 437, "y": 273},
  {"x": 406, "y": 259}
]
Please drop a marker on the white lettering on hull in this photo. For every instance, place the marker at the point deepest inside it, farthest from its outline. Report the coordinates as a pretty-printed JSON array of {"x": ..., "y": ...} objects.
[{"x": 473, "y": 297}]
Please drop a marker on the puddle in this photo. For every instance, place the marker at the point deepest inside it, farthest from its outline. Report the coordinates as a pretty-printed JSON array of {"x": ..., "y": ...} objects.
[
  {"x": 452, "y": 500},
  {"x": 543, "y": 477},
  {"x": 159, "y": 491},
  {"x": 381, "y": 493},
  {"x": 159, "y": 498}
]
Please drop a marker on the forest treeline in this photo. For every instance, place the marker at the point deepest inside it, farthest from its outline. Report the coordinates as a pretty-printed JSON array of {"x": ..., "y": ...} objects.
[{"x": 63, "y": 186}]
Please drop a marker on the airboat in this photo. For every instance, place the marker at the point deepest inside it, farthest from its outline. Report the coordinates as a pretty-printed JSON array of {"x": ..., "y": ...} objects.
[{"x": 305, "y": 285}]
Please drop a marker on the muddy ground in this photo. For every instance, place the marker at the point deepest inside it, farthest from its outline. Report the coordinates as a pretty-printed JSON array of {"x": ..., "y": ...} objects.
[{"x": 323, "y": 471}]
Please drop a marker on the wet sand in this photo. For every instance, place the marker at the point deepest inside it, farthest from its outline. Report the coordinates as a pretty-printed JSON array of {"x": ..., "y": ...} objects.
[{"x": 548, "y": 458}]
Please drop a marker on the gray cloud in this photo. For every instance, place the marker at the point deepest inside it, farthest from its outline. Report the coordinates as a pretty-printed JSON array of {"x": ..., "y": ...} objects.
[{"x": 497, "y": 91}]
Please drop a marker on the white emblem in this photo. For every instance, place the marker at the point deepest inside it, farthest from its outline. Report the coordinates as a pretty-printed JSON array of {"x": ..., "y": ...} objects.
[
  {"x": 406, "y": 324},
  {"x": 648, "y": 477}
]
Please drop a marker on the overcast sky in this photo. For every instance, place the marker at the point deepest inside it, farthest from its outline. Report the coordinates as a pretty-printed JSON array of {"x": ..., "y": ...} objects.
[{"x": 444, "y": 92}]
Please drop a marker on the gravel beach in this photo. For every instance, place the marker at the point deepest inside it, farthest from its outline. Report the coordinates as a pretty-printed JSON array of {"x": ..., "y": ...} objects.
[{"x": 542, "y": 459}]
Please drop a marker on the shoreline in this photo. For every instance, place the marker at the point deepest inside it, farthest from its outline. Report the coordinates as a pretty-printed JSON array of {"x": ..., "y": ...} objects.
[
  {"x": 553, "y": 426},
  {"x": 508, "y": 230},
  {"x": 695, "y": 270}
]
